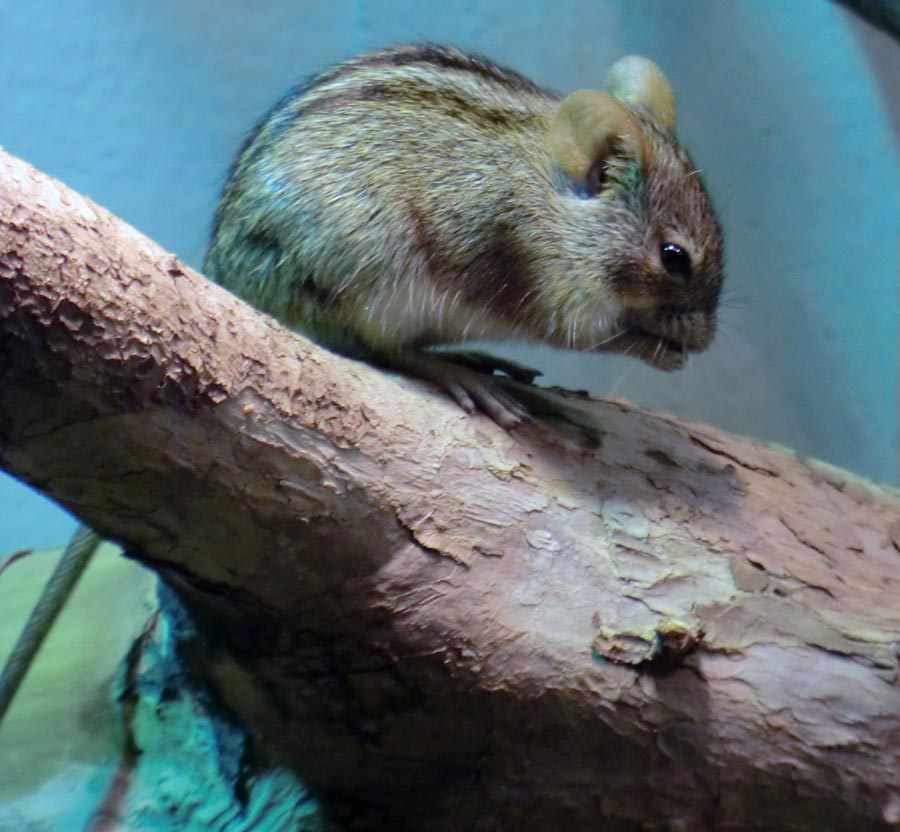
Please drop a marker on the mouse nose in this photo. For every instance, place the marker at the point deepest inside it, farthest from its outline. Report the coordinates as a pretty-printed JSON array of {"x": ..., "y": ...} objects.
[{"x": 691, "y": 329}]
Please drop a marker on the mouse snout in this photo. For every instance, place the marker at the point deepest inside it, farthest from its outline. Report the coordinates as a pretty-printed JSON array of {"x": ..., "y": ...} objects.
[{"x": 690, "y": 329}]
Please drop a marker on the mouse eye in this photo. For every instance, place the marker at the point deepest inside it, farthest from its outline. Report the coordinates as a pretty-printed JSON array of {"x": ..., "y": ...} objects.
[{"x": 676, "y": 261}]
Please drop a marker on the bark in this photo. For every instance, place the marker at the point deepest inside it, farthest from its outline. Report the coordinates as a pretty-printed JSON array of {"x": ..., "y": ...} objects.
[{"x": 439, "y": 625}]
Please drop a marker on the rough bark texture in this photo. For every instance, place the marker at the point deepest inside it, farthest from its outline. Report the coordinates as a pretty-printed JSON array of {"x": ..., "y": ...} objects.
[{"x": 439, "y": 625}]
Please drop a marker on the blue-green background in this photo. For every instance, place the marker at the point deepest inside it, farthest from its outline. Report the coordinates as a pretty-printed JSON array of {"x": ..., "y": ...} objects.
[{"x": 792, "y": 109}]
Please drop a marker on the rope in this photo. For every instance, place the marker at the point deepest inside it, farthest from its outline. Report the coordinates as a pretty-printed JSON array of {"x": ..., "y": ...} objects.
[{"x": 56, "y": 592}]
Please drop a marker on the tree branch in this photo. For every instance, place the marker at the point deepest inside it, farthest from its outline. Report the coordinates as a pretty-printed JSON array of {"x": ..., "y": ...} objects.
[{"x": 438, "y": 624}]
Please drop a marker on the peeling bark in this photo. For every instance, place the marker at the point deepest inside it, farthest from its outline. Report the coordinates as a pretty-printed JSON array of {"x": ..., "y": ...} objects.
[{"x": 438, "y": 625}]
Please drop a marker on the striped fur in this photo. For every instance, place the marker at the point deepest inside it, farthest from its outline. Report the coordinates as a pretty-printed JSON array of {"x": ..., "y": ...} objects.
[{"x": 408, "y": 197}]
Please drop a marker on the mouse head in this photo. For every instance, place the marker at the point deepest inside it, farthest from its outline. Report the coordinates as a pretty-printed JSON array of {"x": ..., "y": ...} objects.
[{"x": 651, "y": 232}]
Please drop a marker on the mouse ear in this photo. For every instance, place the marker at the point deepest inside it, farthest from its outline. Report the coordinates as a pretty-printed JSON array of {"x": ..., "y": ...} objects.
[
  {"x": 587, "y": 125},
  {"x": 640, "y": 84}
]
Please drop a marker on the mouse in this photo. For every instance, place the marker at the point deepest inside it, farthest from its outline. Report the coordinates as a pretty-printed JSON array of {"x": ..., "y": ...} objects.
[{"x": 418, "y": 197}]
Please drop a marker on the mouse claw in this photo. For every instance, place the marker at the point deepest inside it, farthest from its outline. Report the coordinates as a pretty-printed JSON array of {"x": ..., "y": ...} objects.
[
  {"x": 472, "y": 389},
  {"x": 478, "y": 392},
  {"x": 509, "y": 403}
]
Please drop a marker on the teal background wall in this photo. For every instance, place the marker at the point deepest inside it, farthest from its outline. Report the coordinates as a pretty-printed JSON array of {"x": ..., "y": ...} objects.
[{"x": 792, "y": 109}]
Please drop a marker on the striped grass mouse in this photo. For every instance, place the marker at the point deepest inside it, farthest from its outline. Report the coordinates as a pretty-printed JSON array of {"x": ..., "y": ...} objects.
[{"x": 420, "y": 196}]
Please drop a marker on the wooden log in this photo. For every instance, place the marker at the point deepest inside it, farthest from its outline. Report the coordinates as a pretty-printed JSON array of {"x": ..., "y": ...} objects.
[{"x": 440, "y": 625}]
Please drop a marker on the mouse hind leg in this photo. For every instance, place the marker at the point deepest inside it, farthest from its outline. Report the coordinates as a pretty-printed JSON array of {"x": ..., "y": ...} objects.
[
  {"x": 469, "y": 384},
  {"x": 508, "y": 402}
]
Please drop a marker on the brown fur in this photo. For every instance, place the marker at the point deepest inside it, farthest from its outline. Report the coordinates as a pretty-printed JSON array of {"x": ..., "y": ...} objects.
[{"x": 410, "y": 197}]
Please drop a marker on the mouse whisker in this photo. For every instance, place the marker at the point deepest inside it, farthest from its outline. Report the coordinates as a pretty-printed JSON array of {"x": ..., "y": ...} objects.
[{"x": 609, "y": 339}]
